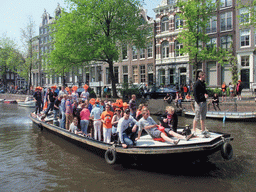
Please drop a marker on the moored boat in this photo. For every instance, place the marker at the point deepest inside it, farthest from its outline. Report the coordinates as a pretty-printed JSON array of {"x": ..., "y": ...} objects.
[
  {"x": 29, "y": 102},
  {"x": 10, "y": 101},
  {"x": 146, "y": 146},
  {"x": 227, "y": 115}
]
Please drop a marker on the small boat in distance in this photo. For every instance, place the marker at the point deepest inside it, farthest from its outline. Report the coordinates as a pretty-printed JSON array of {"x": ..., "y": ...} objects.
[
  {"x": 29, "y": 102},
  {"x": 10, "y": 101},
  {"x": 228, "y": 115},
  {"x": 146, "y": 148}
]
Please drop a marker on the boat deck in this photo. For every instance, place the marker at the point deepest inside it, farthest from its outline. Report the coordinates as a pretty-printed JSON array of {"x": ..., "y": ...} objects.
[{"x": 146, "y": 140}]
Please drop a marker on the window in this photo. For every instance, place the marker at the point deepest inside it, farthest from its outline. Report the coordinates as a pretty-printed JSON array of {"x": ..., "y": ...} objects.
[
  {"x": 171, "y": 74},
  {"x": 225, "y": 3},
  {"x": 212, "y": 25},
  {"x": 254, "y": 37},
  {"x": 226, "y": 21},
  {"x": 162, "y": 77},
  {"x": 135, "y": 74},
  {"x": 212, "y": 43},
  {"x": 125, "y": 74},
  {"x": 150, "y": 50},
  {"x": 165, "y": 24},
  {"x": 142, "y": 74},
  {"x": 142, "y": 53},
  {"x": 225, "y": 42},
  {"x": 178, "y": 22},
  {"x": 124, "y": 52},
  {"x": 245, "y": 37},
  {"x": 245, "y": 61},
  {"x": 178, "y": 46},
  {"x": 244, "y": 15},
  {"x": 134, "y": 52},
  {"x": 116, "y": 74},
  {"x": 150, "y": 74},
  {"x": 165, "y": 49}
]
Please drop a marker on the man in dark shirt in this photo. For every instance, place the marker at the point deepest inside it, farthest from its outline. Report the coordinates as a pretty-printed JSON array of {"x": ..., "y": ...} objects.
[
  {"x": 56, "y": 106},
  {"x": 200, "y": 95},
  {"x": 38, "y": 97},
  {"x": 52, "y": 95}
]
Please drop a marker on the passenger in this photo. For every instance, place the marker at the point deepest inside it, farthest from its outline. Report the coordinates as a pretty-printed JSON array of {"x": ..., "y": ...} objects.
[
  {"x": 68, "y": 112},
  {"x": 73, "y": 127},
  {"x": 96, "y": 115},
  {"x": 169, "y": 119},
  {"x": 85, "y": 94},
  {"x": 150, "y": 126},
  {"x": 85, "y": 117},
  {"x": 179, "y": 100},
  {"x": 224, "y": 91},
  {"x": 185, "y": 91},
  {"x": 74, "y": 94},
  {"x": 215, "y": 101},
  {"x": 62, "y": 91},
  {"x": 127, "y": 127},
  {"x": 168, "y": 98},
  {"x": 139, "y": 110},
  {"x": 188, "y": 97},
  {"x": 102, "y": 106},
  {"x": 38, "y": 97},
  {"x": 63, "y": 111},
  {"x": 57, "y": 107},
  {"x": 132, "y": 106},
  {"x": 52, "y": 96},
  {"x": 200, "y": 95},
  {"x": 106, "y": 118},
  {"x": 117, "y": 116}
]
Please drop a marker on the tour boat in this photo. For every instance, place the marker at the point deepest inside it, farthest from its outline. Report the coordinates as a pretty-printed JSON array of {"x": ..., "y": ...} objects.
[
  {"x": 228, "y": 115},
  {"x": 146, "y": 148}
]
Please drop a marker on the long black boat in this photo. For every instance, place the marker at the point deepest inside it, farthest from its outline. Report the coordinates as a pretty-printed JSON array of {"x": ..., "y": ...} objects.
[{"x": 146, "y": 147}]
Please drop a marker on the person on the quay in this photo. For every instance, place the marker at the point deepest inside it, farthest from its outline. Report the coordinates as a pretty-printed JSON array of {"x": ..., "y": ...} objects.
[
  {"x": 224, "y": 91},
  {"x": 168, "y": 98},
  {"x": 239, "y": 90},
  {"x": 215, "y": 101},
  {"x": 127, "y": 127},
  {"x": 132, "y": 106},
  {"x": 106, "y": 118},
  {"x": 38, "y": 97},
  {"x": 169, "y": 119},
  {"x": 63, "y": 111},
  {"x": 68, "y": 112},
  {"x": 85, "y": 94},
  {"x": 85, "y": 117},
  {"x": 200, "y": 95},
  {"x": 150, "y": 126},
  {"x": 231, "y": 90},
  {"x": 96, "y": 115}
]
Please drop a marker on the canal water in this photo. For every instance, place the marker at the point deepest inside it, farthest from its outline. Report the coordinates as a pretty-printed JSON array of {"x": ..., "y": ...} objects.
[{"x": 31, "y": 160}]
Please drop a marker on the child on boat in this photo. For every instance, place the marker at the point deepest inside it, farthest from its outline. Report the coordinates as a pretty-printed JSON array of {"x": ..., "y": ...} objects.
[{"x": 73, "y": 127}]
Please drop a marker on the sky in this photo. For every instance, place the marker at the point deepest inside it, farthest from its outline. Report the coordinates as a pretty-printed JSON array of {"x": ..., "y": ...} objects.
[{"x": 14, "y": 14}]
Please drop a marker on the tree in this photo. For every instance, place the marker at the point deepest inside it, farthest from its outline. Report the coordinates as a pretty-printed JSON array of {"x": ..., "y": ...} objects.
[
  {"x": 94, "y": 31},
  {"x": 27, "y": 37},
  {"x": 197, "y": 14},
  {"x": 9, "y": 56}
]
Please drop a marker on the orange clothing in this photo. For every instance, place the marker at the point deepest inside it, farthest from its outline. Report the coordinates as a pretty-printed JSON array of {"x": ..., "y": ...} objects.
[
  {"x": 105, "y": 117},
  {"x": 185, "y": 89}
]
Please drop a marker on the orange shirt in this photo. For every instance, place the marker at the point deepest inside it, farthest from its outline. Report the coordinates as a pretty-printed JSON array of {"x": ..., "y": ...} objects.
[{"x": 107, "y": 119}]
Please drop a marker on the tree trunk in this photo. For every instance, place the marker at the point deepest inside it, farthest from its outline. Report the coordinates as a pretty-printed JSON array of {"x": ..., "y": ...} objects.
[{"x": 113, "y": 80}]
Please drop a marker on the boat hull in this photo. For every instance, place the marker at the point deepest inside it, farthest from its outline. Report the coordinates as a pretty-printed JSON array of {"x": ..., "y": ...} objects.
[
  {"x": 137, "y": 152},
  {"x": 27, "y": 104},
  {"x": 10, "y": 101}
]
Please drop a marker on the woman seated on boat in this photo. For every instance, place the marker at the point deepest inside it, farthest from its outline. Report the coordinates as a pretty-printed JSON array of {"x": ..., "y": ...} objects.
[
  {"x": 127, "y": 128},
  {"x": 117, "y": 116},
  {"x": 215, "y": 101},
  {"x": 168, "y": 98},
  {"x": 73, "y": 127},
  {"x": 169, "y": 119},
  {"x": 149, "y": 125},
  {"x": 139, "y": 110}
]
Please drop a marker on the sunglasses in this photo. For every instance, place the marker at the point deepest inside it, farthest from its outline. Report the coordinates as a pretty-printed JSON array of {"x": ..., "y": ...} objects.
[{"x": 118, "y": 110}]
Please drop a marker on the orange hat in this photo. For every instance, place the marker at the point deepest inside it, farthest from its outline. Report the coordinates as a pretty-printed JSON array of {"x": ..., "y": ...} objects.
[
  {"x": 54, "y": 87},
  {"x": 239, "y": 81},
  {"x": 97, "y": 100},
  {"x": 37, "y": 88},
  {"x": 74, "y": 88},
  {"x": 85, "y": 86},
  {"x": 92, "y": 101},
  {"x": 125, "y": 105}
]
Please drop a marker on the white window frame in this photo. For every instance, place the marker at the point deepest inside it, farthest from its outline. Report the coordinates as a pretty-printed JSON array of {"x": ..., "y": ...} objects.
[
  {"x": 165, "y": 49},
  {"x": 165, "y": 24},
  {"x": 178, "y": 46},
  {"x": 135, "y": 74},
  {"x": 244, "y": 15},
  {"x": 244, "y": 33},
  {"x": 226, "y": 42},
  {"x": 142, "y": 73},
  {"x": 134, "y": 53},
  {"x": 150, "y": 49},
  {"x": 224, "y": 17},
  {"x": 142, "y": 53},
  {"x": 212, "y": 25},
  {"x": 245, "y": 59},
  {"x": 178, "y": 22},
  {"x": 225, "y": 3}
]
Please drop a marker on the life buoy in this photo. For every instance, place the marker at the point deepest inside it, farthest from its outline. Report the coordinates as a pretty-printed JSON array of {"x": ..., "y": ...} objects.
[
  {"x": 227, "y": 151},
  {"x": 110, "y": 156}
]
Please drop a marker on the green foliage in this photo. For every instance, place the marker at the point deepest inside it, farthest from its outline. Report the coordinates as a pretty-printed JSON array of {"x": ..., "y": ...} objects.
[
  {"x": 93, "y": 31},
  {"x": 211, "y": 91},
  {"x": 126, "y": 91},
  {"x": 247, "y": 16}
]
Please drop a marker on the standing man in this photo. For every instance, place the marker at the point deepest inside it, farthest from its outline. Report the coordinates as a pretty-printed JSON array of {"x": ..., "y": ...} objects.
[
  {"x": 106, "y": 118},
  {"x": 69, "y": 112},
  {"x": 38, "y": 97},
  {"x": 200, "y": 95},
  {"x": 63, "y": 111},
  {"x": 132, "y": 106},
  {"x": 52, "y": 96}
]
